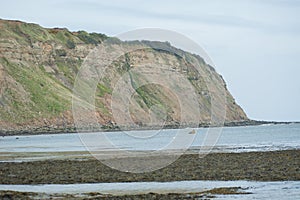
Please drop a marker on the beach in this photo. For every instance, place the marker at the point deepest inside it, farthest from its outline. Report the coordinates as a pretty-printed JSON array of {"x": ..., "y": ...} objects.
[
  {"x": 252, "y": 166},
  {"x": 258, "y": 166},
  {"x": 252, "y": 162},
  {"x": 200, "y": 195}
]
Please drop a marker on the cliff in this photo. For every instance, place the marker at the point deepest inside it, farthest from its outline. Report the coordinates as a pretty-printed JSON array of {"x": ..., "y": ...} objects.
[{"x": 38, "y": 67}]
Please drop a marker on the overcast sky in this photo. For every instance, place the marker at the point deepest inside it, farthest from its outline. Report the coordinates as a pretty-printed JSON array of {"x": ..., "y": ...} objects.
[{"x": 255, "y": 44}]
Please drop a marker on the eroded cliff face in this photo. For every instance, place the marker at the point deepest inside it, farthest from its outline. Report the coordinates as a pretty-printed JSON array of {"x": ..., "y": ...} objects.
[{"x": 38, "y": 67}]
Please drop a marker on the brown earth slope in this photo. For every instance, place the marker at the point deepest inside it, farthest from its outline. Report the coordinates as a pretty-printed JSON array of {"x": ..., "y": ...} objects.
[{"x": 38, "y": 67}]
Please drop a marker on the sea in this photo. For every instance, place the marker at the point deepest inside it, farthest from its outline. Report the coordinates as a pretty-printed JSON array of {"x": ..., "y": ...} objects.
[{"x": 260, "y": 138}]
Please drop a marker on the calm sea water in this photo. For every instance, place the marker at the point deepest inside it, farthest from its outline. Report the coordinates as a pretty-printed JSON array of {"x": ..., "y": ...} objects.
[
  {"x": 287, "y": 190},
  {"x": 232, "y": 139}
]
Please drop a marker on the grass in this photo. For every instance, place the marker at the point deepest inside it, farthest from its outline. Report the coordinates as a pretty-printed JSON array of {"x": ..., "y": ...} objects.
[
  {"x": 102, "y": 90},
  {"x": 35, "y": 94},
  {"x": 90, "y": 38}
]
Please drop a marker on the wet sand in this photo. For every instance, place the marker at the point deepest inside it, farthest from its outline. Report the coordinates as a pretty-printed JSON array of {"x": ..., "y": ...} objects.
[
  {"x": 201, "y": 195},
  {"x": 258, "y": 166}
]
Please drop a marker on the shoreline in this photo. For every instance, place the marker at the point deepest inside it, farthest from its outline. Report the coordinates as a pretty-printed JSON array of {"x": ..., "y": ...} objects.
[
  {"x": 256, "y": 166},
  {"x": 211, "y": 193},
  {"x": 67, "y": 130}
]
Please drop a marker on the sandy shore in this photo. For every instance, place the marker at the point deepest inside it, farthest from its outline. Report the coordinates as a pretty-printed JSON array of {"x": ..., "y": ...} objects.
[
  {"x": 259, "y": 166},
  {"x": 201, "y": 195}
]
